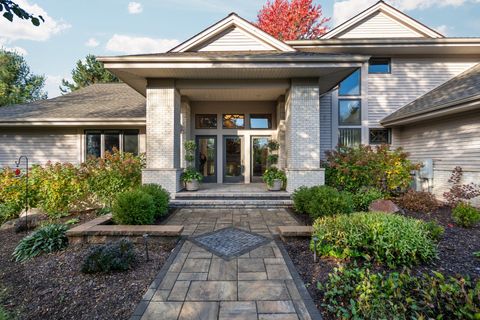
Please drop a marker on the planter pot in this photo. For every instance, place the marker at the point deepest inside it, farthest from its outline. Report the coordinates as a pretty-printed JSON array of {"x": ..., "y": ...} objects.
[
  {"x": 193, "y": 185},
  {"x": 276, "y": 185}
]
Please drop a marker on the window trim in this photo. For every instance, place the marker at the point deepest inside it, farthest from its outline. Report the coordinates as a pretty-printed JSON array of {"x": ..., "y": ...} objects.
[
  {"x": 360, "y": 110},
  {"x": 206, "y": 114},
  {"x": 102, "y": 132},
  {"x": 389, "y": 136},
  {"x": 267, "y": 115},
  {"x": 236, "y": 128},
  {"x": 389, "y": 60},
  {"x": 359, "y": 85}
]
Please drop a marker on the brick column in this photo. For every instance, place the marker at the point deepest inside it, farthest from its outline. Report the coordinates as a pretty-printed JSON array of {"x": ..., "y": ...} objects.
[
  {"x": 163, "y": 135},
  {"x": 303, "y": 134},
  {"x": 185, "y": 122}
]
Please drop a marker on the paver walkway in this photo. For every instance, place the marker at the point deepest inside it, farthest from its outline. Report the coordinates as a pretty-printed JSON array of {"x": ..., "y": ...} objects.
[{"x": 201, "y": 285}]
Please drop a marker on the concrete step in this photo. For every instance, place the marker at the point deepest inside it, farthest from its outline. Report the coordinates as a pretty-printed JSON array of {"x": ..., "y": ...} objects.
[
  {"x": 281, "y": 195},
  {"x": 231, "y": 203}
]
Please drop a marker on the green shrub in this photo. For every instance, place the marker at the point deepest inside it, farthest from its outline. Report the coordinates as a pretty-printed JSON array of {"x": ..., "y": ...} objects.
[
  {"x": 434, "y": 230},
  {"x": 418, "y": 201},
  {"x": 160, "y": 196},
  {"x": 133, "y": 207},
  {"x": 4, "y": 315},
  {"x": 327, "y": 201},
  {"x": 48, "y": 239},
  {"x": 465, "y": 215},
  {"x": 8, "y": 211},
  {"x": 353, "y": 293},
  {"x": 377, "y": 167},
  {"x": 117, "y": 256},
  {"x": 364, "y": 197},
  {"x": 382, "y": 237},
  {"x": 301, "y": 197}
]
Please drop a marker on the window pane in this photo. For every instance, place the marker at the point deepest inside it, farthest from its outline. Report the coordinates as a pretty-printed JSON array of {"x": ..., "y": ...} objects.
[
  {"x": 130, "y": 142},
  {"x": 349, "y": 137},
  {"x": 260, "y": 121},
  {"x": 207, "y": 156},
  {"x": 234, "y": 121},
  {"x": 349, "y": 112},
  {"x": 351, "y": 85},
  {"x": 93, "y": 144},
  {"x": 112, "y": 140},
  {"x": 259, "y": 155},
  {"x": 379, "y": 65},
  {"x": 379, "y": 136},
  {"x": 206, "y": 121}
]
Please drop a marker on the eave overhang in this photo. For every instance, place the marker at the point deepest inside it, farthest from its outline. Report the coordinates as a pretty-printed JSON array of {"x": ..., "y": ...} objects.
[{"x": 123, "y": 122}]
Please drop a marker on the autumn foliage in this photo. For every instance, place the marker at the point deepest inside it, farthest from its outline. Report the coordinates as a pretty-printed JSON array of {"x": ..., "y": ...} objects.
[{"x": 292, "y": 20}]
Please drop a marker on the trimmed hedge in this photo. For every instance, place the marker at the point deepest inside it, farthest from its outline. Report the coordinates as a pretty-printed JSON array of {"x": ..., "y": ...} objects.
[
  {"x": 161, "y": 198},
  {"x": 322, "y": 201},
  {"x": 134, "y": 207}
]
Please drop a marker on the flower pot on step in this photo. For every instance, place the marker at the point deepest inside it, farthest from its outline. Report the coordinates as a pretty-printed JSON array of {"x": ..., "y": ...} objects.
[
  {"x": 276, "y": 185},
  {"x": 193, "y": 185}
]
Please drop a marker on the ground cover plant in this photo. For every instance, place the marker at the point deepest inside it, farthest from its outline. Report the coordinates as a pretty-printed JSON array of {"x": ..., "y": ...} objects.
[
  {"x": 116, "y": 256},
  {"x": 465, "y": 215}
]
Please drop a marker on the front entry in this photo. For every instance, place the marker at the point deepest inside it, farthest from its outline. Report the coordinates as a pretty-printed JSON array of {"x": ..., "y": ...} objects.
[
  {"x": 259, "y": 154},
  {"x": 206, "y": 158},
  {"x": 233, "y": 159}
]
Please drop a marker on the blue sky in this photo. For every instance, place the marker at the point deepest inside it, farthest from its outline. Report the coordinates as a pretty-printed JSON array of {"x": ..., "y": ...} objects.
[{"x": 107, "y": 27}]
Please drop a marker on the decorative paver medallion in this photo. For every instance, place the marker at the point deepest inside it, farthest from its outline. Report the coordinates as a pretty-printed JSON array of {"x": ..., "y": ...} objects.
[{"x": 230, "y": 242}]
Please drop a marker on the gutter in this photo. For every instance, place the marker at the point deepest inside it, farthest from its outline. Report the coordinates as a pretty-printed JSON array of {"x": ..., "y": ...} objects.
[
  {"x": 401, "y": 41},
  {"x": 73, "y": 122}
]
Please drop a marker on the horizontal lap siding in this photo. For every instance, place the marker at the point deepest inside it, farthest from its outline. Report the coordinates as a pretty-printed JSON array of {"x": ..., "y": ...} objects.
[
  {"x": 410, "y": 79},
  {"x": 325, "y": 124},
  {"x": 235, "y": 40},
  {"x": 39, "y": 144}
]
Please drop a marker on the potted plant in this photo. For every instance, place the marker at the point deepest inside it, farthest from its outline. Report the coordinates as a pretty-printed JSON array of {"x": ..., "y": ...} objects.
[
  {"x": 191, "y": 177},
  {"x": 274, "y": 177}
]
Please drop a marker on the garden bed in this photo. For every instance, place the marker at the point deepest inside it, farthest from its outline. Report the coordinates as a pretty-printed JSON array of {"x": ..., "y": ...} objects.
[{"x": 53, "y": 287}]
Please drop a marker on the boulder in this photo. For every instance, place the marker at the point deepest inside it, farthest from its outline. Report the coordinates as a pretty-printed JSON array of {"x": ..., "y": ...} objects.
[
  {"x": 32, "y": 212},
  {"x": 384, "y": 206},
  {"x": 9, "y": 224},
  {"x": 27, "y": 222}
]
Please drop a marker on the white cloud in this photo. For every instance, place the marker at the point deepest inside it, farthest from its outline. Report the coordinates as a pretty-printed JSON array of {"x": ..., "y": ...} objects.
[
  {"x": 443, "y": 29},
  {"x": 52, "y": 84},
  {"x": 135, "y": 7},
  {"x": 92, "y": 42},
  {"x": 16, "y": 49},
  {"x": 24, "y": 29},
  {"x": 345, "y": 9},
  {"x": 131, "y": 45}
]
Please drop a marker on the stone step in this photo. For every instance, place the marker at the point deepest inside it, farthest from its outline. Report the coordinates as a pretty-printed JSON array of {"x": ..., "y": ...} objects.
[
  {"x": 281, "y": 195},
  {"x": 230, "y": 203}
]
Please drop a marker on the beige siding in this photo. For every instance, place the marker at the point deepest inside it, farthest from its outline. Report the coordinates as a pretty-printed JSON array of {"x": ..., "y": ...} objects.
[
  {"x": 380, "y": 25},
  {"x": 325, "y": 124},
  {"x": 39, "y": 144},
  {"x": 449, "y": 142},
  {"x": 234, "y": 39},
  {"x": 410, "y": 78}
]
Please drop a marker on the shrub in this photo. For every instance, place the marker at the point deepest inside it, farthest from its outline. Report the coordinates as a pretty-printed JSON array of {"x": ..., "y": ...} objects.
[
  {"x": 8, "y": 211},
  {"x": 382, "y": 237},
  {"x": 115, "y": 173},
  {"x": 365, "y": 166},
  {"x": 460, "y": 192},
  {"x": 465, "y": 215},
  {"x": 364, "y": 197},
  {"x": 48, "y": 239},
  {"x": 117, "y": 256},
  {"x": 418, "y": 201},
  {"x": 160, "y": 196},
  {"x": 4, "y": 315},
  {"x": 353, "y": 293},
  {"x": 301, "y": 197},
  {"x": 327, "y": 201},
  {"x": 434, "y": 230},
  {"x": 133, "y": 207}
]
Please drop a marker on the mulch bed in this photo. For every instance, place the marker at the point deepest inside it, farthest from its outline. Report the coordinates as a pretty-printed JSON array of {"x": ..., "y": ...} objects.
[
  {"x": 53, "y": 287},
  {"x": 455, "y": 249}
]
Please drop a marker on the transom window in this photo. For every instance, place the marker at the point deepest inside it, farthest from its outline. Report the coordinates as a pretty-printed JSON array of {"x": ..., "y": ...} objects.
[
  {"x": 234, "y": 121},
  {"x": 379, "y": 65},
  {"x": 379, "y": 136},
  {"x": 351, "y": 85},
  {"x": 97, "y": 142},
  {"x": 206, "y": 121},
  {"x": 260, "y": 121}
]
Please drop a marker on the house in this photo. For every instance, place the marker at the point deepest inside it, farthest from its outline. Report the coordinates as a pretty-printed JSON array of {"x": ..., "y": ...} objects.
[{"x": 376, "y": 78}]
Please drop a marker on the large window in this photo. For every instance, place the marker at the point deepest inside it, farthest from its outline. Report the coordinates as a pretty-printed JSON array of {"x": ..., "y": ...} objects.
[
  {"x": 97, "y": 142},
  {"x": 260, "y": 121},
  {"x": 234, "y": 121},
  {"x": 351, "y": 85},
  {"x": 206, "y": 121},
  {"x": 379, "y": 136},
  {"x": 379, "y": 65},
  {"x": 349, "y": 112}
]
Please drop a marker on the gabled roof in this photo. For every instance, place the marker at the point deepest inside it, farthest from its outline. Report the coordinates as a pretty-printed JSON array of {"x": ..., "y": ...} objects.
[
  {"x": 102, "y": 102},
  {"x": 463, "y": 90},
  {"x": 382, "y": 8},
  {"x": 232, "y": 22}
]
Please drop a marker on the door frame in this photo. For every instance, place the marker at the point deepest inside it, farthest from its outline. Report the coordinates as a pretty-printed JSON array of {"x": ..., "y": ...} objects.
[
  {"x": 241, "y": 178},
  {"x": 209, "y": 179}
]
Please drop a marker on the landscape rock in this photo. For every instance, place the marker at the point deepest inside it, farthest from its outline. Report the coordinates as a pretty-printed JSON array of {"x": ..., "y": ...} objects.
[
  {"x": 9, "y": 224},
  {"x": 32, "y": 212},
  {"x": 382, "y": 205},
  {"x": 28, "y": 222}
]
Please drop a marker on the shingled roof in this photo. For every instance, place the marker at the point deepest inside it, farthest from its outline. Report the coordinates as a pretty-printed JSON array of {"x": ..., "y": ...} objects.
[
  {"x": 105, "y": 101},
  {"x": 463, "y": 88}
]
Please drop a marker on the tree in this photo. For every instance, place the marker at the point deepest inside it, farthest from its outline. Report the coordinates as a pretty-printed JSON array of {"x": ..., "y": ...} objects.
[
  {"x": 12, "y": 8},
  {"x": 17, "y": 84},
  {"x": 86, "y": 73},
  {"x": 292, "y": 20}
]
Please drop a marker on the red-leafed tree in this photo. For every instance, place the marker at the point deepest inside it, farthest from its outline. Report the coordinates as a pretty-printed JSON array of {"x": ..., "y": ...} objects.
[{"x": 292, "y": 20}]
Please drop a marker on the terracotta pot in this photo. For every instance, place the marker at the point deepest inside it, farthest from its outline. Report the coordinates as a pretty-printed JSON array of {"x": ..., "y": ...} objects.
[
  {"x": 276, "y": 185},
  {"x": 193, "y": 185}
]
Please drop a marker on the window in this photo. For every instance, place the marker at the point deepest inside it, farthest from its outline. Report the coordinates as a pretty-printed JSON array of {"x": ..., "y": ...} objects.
[
  {"x": 351, "y": 85},
  {"x": 260, "y": 121},
  {"x": 206, "y": 121},
  {"x": 349, "y": 137},
  {"x": 234, "y": 121},
  {"x": 379, "y": 136},
  {"x": 97, "y": 142},
  {"x": 349, "y": 112},
  {"x": 379, "y": 65}
]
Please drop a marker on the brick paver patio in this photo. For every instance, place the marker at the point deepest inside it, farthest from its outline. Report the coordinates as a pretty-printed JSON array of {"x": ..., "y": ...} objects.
[{"x": 201, "y": 285}]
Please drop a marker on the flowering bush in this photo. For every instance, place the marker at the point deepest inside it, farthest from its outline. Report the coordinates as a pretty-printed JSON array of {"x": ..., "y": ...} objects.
[{"x": 365, "y": 166}]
